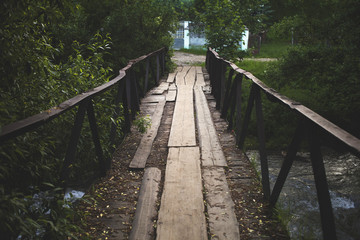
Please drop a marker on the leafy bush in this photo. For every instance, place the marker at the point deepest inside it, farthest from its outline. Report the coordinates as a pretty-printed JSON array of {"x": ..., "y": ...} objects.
[{"x": 326, "y": 79}]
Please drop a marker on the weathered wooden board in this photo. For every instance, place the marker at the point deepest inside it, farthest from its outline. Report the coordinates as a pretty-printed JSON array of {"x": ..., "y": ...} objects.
[
  {"x": 171, "y": 96},
  {"x": 144, "y": 149},
  {"x": 146, "y": 208},
  {"x": 221, "y": 210},
  {"x": 198, "y": 70},
  {"x": 171, "y": 77},
  {"x": 153, "y": 99},
  {"x": 181, "y": 214},
  {"x": 172, "y": 86},
  {"x": 180, "y": 76},
  {"x": 211, "y": 151},
  {"x": 190, "y": 76},
  {"x": 200, "y": 79},
  {"x": 182, "y": 131},
  {"x": 164, "y": 86}
]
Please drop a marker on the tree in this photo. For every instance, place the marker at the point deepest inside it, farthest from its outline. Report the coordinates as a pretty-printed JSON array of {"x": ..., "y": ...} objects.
[
  {"x": 323, "y": 69},
  {"x": 223, "y": 27}
]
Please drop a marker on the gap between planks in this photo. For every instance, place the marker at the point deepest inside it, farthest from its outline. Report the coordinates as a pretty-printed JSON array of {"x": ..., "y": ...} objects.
[{"x": 144, "y": 149}]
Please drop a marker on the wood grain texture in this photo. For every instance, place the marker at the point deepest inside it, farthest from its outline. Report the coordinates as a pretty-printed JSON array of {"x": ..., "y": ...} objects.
[
  {"x": 211, "y": 151},
  {"x": 200, "y": 80},
  {"x": 171, "y": 77},
  {"x": 180, "y": 76},
  {"x": 144, "y": 149},
  {"x": 181, "y": 214},
  {"x": 163, "y": 87},
  {"x": 182, "y": 131},
  {"x": 171, "y": 96},
  {"x": 190, "y": 77},
  {"x": 146, "y": 208},
  {"x": 220, "y": 206},
  {"x": 153, "y": 99}
]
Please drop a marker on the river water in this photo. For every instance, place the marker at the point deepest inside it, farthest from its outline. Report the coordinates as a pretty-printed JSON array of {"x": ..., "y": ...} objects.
[{"x": 298, "y": 200}]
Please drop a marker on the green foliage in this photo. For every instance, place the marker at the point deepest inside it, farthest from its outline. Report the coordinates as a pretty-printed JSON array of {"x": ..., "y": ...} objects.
[
  {"x": 258, "y": 68},
  {"x": 223, "y": 27},
  {"x": 324, "y": 79},
  {"x": 273, "y": 49},
  {"x": 50, "y": 52},
  {"x": 143, "y": 123}
]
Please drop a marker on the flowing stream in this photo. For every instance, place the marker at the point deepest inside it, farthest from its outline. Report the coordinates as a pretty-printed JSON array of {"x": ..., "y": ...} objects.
[{"x": 298, "y": 201}]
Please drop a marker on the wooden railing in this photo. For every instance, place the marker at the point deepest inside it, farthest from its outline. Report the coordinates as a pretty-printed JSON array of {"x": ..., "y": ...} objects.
[
  {"x": 227, "y": 91},
  {"x": 128, "y": 92}
]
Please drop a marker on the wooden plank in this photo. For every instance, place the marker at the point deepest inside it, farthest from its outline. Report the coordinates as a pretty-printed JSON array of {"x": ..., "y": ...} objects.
[
  {"x": 164, "y": 86},
  {"x": 180, "y": 76},
  {"x": 200, "y": 80},
  {"x": 144, "y": 149},
  {"x": 172, "y": 86},
  {"x": 146, "y": 207},
  {"x": 221, "y": 209},
  {"x": 171, "y": 77},
  {"x": 190, "y": 76},
  {"x": 181, "y": 214},
  {"x": 211, "y": 151},
  {"x": 171, "y": 96},
  {"x": 182, "y": 131},
  {"x": 153, "y": 99}
]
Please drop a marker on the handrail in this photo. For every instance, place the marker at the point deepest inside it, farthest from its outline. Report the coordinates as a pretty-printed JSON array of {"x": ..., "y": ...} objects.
[
  {"x": 230, "y": 90},
  {"x": 322, "y": 122},
  {"x": 127, "y": 93},
  {"x": 30, "y": 123}
]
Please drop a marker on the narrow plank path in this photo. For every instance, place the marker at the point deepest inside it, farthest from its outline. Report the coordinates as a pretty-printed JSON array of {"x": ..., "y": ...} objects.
[
  {"x": 184, "y": 178},
  {"x": 181, "y": 214}
]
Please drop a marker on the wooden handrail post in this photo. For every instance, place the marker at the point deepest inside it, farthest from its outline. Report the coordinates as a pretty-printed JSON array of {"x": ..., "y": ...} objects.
[
  {"x": 228, "y": 91},
  {"x": 126, "y": 105},
  {"x": 163, "y": 61},
  {"x": 288, "y": 161},
  {"x": 233, "y": 99},
  {"x": 74, "y": 138},
  {"x": 238, "y": 101},
  {"x": 262, "y": 148},
  {"x": 104, "y": 164},
  {"x": 240, "y": 138},
  {"x": 222, "y": 85},
  {"x": 157, "y": 69},
  {"x": 146, "y": 76},
  {"x": 322, "y": 188},
  {"x": 135, "y": 99},
  {"x": 118, "y": 98}
]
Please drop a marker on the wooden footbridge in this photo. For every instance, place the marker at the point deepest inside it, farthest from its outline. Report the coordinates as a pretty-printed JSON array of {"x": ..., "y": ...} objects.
[
  {"x": 195, "y": 202},
  {"x": 192, "y": 167}
]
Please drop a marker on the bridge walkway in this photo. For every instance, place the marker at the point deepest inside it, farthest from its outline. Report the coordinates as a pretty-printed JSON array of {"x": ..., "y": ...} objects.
[
  {"x": 195, "y": 201},
  {"x": 184, "y": 178}
]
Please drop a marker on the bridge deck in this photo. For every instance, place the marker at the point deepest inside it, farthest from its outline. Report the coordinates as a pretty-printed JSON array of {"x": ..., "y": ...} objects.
[
  {"x": 184, "y": 178},
  {"x": 191, "y": 164}
]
